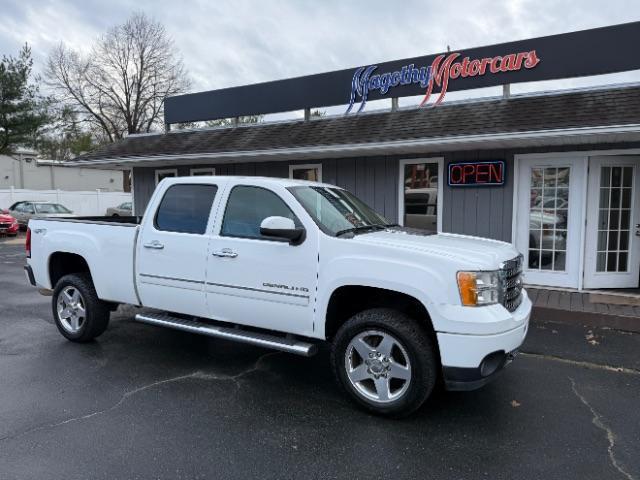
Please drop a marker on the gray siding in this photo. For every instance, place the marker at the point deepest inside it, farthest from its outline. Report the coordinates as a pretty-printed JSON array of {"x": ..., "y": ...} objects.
[
  {"x": 374, "y": 180},
  {"x": 144, "y": 183},
  {"x": 482, "y": 211}
]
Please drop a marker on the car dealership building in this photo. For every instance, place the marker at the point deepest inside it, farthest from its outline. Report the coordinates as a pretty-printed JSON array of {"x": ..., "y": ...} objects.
[{"x": 556, "y": 173}]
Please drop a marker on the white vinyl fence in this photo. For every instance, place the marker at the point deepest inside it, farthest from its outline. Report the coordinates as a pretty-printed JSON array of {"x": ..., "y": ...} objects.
[{"x": 81, "y": 203}]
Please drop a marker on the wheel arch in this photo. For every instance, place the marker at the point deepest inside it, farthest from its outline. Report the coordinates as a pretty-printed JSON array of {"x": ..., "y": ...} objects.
[
  {"x": 62, "y": 263},
  {"x": 347, "y": 300}
]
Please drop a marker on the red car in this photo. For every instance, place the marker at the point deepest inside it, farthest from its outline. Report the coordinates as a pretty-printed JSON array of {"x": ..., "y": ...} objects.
[{"x": 8, "y": 224}]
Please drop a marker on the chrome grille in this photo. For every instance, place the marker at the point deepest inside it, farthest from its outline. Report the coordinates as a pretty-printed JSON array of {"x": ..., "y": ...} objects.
[{"x": 511, "y": 278}]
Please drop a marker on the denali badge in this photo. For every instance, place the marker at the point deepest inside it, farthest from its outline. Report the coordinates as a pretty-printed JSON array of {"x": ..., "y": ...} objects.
[{"x": 286, "y": 287}]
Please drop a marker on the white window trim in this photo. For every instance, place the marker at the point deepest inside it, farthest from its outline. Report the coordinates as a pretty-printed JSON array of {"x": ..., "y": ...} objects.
[
  {"x": 207, "y": 170},
  {"x": 168, "y": 170},
  {"x": 411, "y": 161},
  {"x": 306, "y": 166}
]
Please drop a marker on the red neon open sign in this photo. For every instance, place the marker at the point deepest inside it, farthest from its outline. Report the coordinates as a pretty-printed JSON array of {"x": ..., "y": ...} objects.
[{"x": 476, "y": 174}]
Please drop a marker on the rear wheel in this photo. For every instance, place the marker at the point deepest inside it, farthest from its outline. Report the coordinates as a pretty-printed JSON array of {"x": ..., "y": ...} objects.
[
  {"x": 386, "y": 361},
  {"x": 78, "y": 312}
]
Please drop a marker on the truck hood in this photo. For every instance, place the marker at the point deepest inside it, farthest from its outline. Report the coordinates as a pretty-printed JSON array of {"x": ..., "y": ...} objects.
[
  {"x": 469, "y": 252},
  {"x": 4, "y": 218}
]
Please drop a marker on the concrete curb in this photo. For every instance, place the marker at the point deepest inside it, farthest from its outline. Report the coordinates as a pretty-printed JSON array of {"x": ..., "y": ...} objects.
[{"x": 615, "y": 322}]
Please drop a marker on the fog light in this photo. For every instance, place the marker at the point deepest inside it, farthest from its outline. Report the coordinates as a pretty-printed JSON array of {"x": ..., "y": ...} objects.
[{"x": 491, "y": 363}]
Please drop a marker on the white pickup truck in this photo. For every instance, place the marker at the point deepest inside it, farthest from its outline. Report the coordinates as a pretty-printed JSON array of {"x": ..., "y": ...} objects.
[{"x": 284, "y": 264}]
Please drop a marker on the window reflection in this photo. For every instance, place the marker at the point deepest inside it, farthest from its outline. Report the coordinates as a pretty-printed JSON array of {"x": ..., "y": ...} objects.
[
  {"x": 312, "y": 174},
  {"x": 548, "y": 217},
  {"x": 421, "y": 196}
]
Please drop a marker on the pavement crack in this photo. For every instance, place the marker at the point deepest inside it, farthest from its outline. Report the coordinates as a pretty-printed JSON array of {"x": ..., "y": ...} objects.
[
  {"x": 581, "y": 363},
  {"x": 611, "y": 437},
  {"x": 200, "y": 375}
]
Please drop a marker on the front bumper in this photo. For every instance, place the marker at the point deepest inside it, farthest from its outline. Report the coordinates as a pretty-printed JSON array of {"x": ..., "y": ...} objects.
[
  {"x": 470, "y": 360},
  {"x": 465, "y": 379},
  {"x": 11, "y": 230}
]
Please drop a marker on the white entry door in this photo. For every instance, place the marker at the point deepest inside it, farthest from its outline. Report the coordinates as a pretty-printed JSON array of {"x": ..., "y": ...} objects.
[
  {"x": 612, "y": 249},
  {"x": 549, "y": 210}
]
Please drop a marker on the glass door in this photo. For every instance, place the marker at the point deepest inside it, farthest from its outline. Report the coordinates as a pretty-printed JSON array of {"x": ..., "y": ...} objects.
[
  {"x": 612, "y": 246},
  {"x": 549, "y": 208}
]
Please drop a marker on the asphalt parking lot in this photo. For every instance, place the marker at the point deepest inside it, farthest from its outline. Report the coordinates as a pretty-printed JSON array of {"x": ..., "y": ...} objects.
[{"x": 144, "y": 402}]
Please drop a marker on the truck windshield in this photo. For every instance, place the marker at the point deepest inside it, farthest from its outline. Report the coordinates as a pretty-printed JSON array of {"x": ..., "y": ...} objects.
[{"x": 337, "y": 211}]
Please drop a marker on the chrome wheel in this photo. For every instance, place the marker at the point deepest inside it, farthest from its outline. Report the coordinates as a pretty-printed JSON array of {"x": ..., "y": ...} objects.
[
  {"x": 71, "y": 309},
  {"x": 378, "y": 366}
]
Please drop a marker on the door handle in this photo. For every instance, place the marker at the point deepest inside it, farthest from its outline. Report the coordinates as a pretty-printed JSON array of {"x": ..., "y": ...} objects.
[
  {"x": 225, "y": 252},
  {"x": 155, "y": 244}
]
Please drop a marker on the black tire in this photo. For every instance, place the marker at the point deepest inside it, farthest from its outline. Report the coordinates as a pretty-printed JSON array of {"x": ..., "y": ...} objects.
[
  {"x": 96, "y": 317},
  {"x": 417, "y": 344}
]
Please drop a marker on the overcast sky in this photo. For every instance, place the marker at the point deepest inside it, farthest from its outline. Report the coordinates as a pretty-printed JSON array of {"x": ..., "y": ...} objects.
[{"x": 236, "y": 42}]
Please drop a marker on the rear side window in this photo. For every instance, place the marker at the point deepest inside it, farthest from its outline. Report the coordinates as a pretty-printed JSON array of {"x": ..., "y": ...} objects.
[
  {"x": 247, "y": 207},
  {"x": 185, "y": 208},
  {"x": 25, "y": 207}
]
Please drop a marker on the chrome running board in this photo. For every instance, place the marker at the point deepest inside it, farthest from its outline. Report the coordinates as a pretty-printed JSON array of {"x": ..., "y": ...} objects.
[{"x": 286, "y": 344}]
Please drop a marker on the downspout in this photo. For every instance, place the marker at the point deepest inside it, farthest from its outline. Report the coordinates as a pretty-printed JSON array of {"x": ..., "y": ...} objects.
[{"x": 21, "y": 170}]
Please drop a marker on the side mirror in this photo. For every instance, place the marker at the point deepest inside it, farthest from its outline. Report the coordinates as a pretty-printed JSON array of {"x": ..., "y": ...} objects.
[{"x": 282, "y": 228}]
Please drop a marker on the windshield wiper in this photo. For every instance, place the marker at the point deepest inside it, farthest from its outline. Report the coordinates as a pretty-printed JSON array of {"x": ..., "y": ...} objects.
[{"x": 361, "y": 228}]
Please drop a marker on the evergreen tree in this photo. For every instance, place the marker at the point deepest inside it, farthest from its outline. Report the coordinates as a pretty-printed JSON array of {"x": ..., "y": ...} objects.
[{"x": 22, "y": 111}]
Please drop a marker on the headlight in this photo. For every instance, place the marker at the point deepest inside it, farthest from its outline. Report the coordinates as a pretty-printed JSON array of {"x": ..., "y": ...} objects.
[{"x": 479, "y": 288}]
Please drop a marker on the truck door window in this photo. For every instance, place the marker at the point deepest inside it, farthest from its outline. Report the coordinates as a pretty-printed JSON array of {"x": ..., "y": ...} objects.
[
  {"x": 247, "y": 207},
  {"x": 185, "y": 208}
]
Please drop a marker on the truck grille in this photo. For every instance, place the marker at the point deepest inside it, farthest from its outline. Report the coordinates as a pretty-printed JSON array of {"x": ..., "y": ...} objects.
[
  {"x": 511, "y": 278},
  {"x": 4, "y": 225}
]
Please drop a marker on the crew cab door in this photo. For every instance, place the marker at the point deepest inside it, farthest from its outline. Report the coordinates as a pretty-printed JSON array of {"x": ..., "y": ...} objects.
[
  {"x": 172, "y": 248},
  {"x": 258, "y": 281}
]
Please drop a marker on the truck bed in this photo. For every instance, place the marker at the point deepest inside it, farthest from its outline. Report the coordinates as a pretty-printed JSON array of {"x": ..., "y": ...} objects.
[{"x": 107, "y": 244}]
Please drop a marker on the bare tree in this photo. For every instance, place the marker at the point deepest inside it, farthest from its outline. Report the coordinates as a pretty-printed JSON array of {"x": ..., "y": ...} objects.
[{"x": 119, "y": 87}]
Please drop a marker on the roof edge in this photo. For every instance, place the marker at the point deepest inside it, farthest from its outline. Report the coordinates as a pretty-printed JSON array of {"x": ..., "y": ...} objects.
[{"x": 366, "y": 147}]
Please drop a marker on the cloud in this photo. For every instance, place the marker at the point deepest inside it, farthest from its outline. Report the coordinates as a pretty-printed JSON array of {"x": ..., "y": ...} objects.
[{"x": 234, "y": 42}]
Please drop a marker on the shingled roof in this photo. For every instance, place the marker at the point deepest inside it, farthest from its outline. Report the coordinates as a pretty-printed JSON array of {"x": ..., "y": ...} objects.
[{"x": 602, "y": 107}]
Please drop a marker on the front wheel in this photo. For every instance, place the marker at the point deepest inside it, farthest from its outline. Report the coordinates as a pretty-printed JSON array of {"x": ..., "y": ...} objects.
[
  {"x": 78, "y": 312},
  {"x": 386, "y": 361}
]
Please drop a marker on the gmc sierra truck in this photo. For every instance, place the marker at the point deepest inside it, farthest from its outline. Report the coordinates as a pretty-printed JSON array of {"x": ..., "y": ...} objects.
[{"x": 285, "y": 264}]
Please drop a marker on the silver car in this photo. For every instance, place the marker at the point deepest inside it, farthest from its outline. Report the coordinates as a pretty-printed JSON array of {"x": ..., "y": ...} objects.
[
  {"x": 23, "y": 211},
  {"x": 122, "y": 210}
]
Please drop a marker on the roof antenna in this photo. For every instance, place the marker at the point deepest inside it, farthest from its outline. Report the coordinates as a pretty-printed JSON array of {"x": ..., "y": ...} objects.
[{"x": 448, "y": 49}]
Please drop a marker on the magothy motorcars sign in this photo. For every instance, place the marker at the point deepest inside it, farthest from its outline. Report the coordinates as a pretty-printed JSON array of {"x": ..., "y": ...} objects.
[
  {"x": 443, "y": 69},
  {"x": 567, "y": 55}
]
